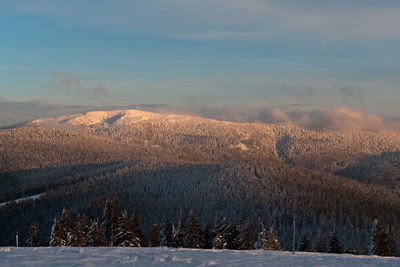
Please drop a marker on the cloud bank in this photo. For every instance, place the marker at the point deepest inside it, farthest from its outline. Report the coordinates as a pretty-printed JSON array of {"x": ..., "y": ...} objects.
[
  {"x": 329, "y": 118},
  {"x": 326, "y": 118}
]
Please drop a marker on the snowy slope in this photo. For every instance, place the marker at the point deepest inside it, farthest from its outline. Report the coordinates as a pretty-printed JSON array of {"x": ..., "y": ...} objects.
[
  {"x": 22, "y": 199},
  {"x": 67, "y": 256}
]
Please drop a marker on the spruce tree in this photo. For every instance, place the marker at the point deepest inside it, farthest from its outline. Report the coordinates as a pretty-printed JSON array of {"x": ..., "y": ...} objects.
[
  {"x": 371, "y": 244},
  {"x": 272, "y": 242},
  {"x": 261, "y": 236},
  {"x": 305, "y": 243},
  {"x": 383, "y": 243},
  {"x": 154, "y": 236},
  {"x": 55, "y": 234},
  {"x": 109, "y": 220},
  {"x": 174, "y": 237},
  {"x": 96, "y": 235},
  {"x": 34, "y": 236},
  {"x": 230, "y": 236},
  {"x": 137, "y": 230},
  {"x": 79, "y": 233},
  {"x": 193, "y": 232},
  {"x": 207, "y": 238},
  {"x": 181, "y": 231},
  {"x": 167, "y": 234},
  {"x": 320, "y": 243},
  {"x": 65, "y": 228},
  {"x": 335, "y": 245},
  {"x": 246, "y": 237},
  {"x": 219, "y": 241},
  {"x": 126, "y": 236}
]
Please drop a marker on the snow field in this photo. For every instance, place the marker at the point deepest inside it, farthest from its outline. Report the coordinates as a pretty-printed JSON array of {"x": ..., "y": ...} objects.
[{"x": 74, "y": 256}]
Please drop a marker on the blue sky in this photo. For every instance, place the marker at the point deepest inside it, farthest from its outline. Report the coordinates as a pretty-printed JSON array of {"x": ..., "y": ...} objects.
[{"x": 211, "y": 53}]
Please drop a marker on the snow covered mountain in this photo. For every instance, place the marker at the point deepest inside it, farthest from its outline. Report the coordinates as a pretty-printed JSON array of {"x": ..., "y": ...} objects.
[
  {"x": 329, "y": 151},
  {"x": 160, "y": 163}
]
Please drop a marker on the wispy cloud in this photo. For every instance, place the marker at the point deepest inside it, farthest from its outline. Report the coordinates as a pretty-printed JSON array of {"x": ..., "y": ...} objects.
[
  {"x": 231, "y": 19},
  {"x": 69, "y": 83},
  {"x": 351, "y": 92}
]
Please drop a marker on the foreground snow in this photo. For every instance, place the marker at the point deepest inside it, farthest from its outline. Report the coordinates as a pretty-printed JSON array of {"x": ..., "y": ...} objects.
[{"x": 67, "y": 256}]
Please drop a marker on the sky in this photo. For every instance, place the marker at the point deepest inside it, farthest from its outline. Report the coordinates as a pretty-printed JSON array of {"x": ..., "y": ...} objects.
[{"x": 210, "y": 57}]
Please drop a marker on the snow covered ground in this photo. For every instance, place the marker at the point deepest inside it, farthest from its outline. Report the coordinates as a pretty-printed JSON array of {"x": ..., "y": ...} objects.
[{"x": 69, "y": 256}]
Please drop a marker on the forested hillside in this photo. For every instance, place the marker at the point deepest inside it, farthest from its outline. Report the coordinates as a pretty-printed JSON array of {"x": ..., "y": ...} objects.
[{"x": 160, "y": 164}]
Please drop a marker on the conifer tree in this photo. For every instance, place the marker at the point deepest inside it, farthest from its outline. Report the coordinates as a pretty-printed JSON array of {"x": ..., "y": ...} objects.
[
  {"x": 137, "y": 229},
  {"x": 65, "y": 228},
  {"x": 154, "y": 236},
  {"x": 174, "y": 237},
  {"x": 55, "y": 234},
  {"x": 181, "y": 231},
  {"x": 383, "y": 243},
  {"x": 261, "y": 236},
  {"x": 125, "y": 236},
  {"x": 246, "y": 237},
  {"x": 320, "y": 243},
  {"x": 230, "y": 235},
  {"x": 272, "y": 242},
  {"x": 193, "y": 232},
  {"x": 167, "y": 234},
  {"x": 79, "y": 233},
  {"x": 305, "y": 243},
  {"x": 207, "y": 238},
  {"x": 96, "y": 235},
  {"x": 371, "y": 244},
  {"x": 335, "y": 245},
  {"x": 109, "y": 220},
  {"x": 219, "y": 241},
  {"x": 34, "y": 236}
]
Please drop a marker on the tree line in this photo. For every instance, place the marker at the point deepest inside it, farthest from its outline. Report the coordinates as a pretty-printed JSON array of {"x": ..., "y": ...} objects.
[{"x": 116, "y": 229}]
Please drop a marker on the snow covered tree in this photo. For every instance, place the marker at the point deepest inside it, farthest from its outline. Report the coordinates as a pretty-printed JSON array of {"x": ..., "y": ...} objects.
[
  {"x": 193, "y": 232},
  {"x": 320, "y": 243},
  {"x": 181, "y": 231},
  {"x": 109, "y": 220},
  {"x": 55, "y": 234},
  {"x": 246, "y": 237},
  {"x": 96, "y": 235},
  {"x": 174, "y": 237},
  {"x": 125, "y": 236},
  {"x": 305, "y": 243},
  {"x": 34, "y": 236},
  {"x": 271, "y": 241},
  {"x": 371, "y": 244},
  {"x": 65, "y": 228},
  {"x": 261, "y": 236},
  {"x": 137, "y": 229},
  {"x": 79, "y": 232},
  {"x": 335, "y": 245},
  {"x": 167, "y": 234},
  {"x": 154, "y": 236},
  {"x": 382, "y": 243},
  {"x": 219, "y": 241}
]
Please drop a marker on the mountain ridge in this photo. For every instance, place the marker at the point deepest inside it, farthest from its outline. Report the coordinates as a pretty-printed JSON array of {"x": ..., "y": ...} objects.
[{"x": 163, "y": 163}]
